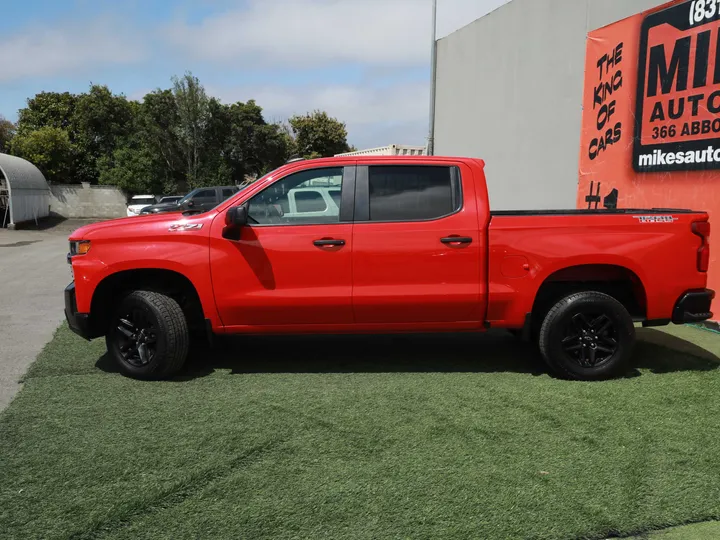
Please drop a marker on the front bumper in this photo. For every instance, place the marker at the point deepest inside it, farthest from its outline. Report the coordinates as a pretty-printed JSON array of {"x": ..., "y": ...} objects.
[
  {"x": 78, "y": 322},
  {"x": 694, "y": 306}
]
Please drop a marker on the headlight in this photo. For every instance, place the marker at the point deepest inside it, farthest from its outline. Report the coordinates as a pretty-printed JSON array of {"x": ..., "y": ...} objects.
[{"x": 79, "y": 247}]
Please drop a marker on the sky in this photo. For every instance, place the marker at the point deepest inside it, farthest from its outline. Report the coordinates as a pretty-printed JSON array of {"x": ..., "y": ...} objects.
[{"x": 366, "y": 62}]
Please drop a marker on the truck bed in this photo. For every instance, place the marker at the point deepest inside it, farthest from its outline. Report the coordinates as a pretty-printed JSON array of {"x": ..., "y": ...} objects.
[{"x": 603, "y": 212}]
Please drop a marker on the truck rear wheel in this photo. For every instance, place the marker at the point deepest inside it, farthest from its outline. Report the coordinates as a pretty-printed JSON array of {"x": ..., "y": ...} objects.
[
  {"x": 148, "y": 336},
  {"x": 587, "y": 336}
]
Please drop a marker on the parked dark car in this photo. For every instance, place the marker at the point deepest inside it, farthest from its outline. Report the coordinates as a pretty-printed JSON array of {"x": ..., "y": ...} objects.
[
  {"x": 198, "y": 200},
  {"x": 170, "y": 199}
]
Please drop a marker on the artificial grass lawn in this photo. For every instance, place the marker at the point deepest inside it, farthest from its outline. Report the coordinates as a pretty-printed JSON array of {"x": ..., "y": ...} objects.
[
  {"x": 698, "y": 531},
  {"x": 363, "y": 437}
]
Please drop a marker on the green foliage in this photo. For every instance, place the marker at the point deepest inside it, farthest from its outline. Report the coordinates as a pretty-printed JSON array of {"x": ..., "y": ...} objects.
[
  {"x": 7, "y": 132},
  {"x": 101, "y": 121},
  {"x": 50, "y": 149},
  {"x": 319, "y": 135},
  {"x": 193, "y": 108},
  {"x": 48, "y": 109},
  {"x": 132, "y": 168},
  {"x": 173, "y": 140},
  {"x": 255, "y": 147}
]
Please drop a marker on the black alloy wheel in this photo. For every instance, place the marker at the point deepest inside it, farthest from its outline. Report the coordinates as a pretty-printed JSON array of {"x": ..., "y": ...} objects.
[
  {"x": 587, "y": 336},
  {"x": 590, "y": 339},
  {"x": 137, "y": 337},
  {"x": 148, "y": 336}
]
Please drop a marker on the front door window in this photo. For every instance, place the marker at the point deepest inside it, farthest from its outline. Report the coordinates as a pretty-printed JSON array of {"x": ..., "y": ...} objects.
[{"x": 304, "y": 198}]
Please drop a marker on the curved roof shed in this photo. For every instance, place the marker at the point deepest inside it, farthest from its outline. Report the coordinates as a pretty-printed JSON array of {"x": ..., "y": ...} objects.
[{"x": 23, "y": 191}]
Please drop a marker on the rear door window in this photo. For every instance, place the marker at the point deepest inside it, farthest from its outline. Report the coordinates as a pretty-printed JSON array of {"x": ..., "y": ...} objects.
[{"x": 412, "y": 192}]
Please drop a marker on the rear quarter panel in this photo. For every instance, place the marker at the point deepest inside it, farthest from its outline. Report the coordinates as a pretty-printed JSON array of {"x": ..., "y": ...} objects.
[{"x": 662, "y": 255}]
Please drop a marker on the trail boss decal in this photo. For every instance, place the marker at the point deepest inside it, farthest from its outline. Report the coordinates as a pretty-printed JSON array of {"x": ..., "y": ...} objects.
[
  {"x": 185, "y": 227},
  {"x": 656, "y": 219},
  {"x": 678, "y": 95}
]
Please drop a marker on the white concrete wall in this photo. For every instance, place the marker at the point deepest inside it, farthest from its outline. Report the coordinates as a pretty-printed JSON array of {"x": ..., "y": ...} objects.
[
  {"x": 509, "y": 90},
  {"x": 86, "y": 201}
]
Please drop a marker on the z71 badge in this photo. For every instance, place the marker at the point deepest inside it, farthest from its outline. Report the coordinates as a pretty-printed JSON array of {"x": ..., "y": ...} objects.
[
  {"x": 656, "y": 219},
  {"x": 185, "y": 227}
]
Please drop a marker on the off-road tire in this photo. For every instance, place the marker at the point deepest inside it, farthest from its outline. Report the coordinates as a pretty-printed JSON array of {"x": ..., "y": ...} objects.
[
  {"x": 554, "y": 330},
  {"x": 172, "y": 335}
]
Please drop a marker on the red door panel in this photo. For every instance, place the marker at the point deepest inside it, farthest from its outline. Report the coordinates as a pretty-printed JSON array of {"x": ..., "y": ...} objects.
[
  {"x": 278, "y": 276},
  {"x": 291, "y": 265},
  {"x": 411, "y": 272}
]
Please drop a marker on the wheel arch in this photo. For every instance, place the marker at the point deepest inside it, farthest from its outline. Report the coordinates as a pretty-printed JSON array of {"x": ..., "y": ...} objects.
[
  {"x": 616, "y": 280},
  {"x": 115, "y": 286}
]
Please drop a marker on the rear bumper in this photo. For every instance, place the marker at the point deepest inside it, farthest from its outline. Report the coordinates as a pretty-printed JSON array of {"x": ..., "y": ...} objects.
[
  {"x": 78, "y": 322},
  {"x": 693, "y": 306}
]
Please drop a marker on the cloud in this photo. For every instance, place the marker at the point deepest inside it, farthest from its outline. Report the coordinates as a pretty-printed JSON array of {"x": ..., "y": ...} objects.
[
  {"x": 375, "y": 115},
  {"x": 385, "y": 43},
  {"x": 388, "y": 39},
  {"x": 309, "y": 33},
  {"x": 40, "y": 51}
]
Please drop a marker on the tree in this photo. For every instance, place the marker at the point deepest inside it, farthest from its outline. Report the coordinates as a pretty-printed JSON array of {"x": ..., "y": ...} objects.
[
  {"x": 276, "y": 147},
  {"x": 133, "y": 168},
  {"x": 7, "y": 131},
  {"x": 215, "y": 167},
  {"x": 48, "y": 109},
  {"x": 101, "y": 123},
  {"x": 173, "y": 139},
  {"x": 193, "y": 107},
  {"x": 149, "y": 159},
  {"x": 255, "y": 146},
  {"x": 319, "y": 135},
  {"x": 156, "y": 124},
  {"x": 49, "y": 149}
]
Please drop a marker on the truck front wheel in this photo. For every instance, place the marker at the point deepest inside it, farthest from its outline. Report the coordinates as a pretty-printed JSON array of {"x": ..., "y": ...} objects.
[
  {"x": 587, "y": 336},
  {"x": 148, "y": 336}
]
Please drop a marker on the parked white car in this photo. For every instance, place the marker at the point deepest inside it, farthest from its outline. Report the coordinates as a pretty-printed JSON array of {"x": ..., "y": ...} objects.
[
  {"x": 138, "y": 202},
  {"x": 313, "y": 202}
]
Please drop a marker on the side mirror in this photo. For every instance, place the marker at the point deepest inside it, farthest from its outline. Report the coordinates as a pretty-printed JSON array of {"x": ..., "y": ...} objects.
[
  {"x": 237, "y": 216},
  {"x": 190, "y": 203}
]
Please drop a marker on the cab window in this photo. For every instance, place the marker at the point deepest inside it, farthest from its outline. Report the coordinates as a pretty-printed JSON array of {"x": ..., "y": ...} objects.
[
  {"x": 205, "y": 194},
  {"x": 413, "y": 193},
  {"x": 303, "y": 198}
]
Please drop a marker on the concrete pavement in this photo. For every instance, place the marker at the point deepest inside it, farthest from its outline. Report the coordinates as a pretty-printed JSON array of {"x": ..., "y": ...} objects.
[{"x": 33, "y": 274}]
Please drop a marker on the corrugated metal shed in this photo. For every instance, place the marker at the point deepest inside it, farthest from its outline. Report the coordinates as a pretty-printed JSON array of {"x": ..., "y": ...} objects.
[{"x": 28, "y": 193}]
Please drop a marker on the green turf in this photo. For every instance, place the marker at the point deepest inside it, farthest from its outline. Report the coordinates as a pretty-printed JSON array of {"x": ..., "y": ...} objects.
[
  {"x": 364, "y": 437},
  {"x": 699, "y": 531}
]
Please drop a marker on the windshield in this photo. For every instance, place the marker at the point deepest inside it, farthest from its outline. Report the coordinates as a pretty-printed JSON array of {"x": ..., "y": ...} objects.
[
  {"x": 187, "y": 197},
  {"x": 142, "y": 200}
]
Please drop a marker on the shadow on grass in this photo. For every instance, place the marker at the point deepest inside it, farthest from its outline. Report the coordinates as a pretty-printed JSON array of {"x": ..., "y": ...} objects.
[{"x": 494, "y": 352}]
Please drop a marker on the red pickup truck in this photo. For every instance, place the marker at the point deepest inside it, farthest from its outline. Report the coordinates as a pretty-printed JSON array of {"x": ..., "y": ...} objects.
[{"x": 387, "y": 244}]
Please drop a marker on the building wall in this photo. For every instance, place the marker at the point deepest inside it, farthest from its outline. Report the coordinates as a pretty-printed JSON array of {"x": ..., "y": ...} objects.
[
  {"x": 86, "y": 201},
  {"x": 510, "y": 89}
]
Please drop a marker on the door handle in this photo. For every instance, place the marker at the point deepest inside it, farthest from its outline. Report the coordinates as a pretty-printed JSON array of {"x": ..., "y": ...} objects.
[
  {"x": 457, "y": 240},
  {"x": 329, "y": 243}
]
